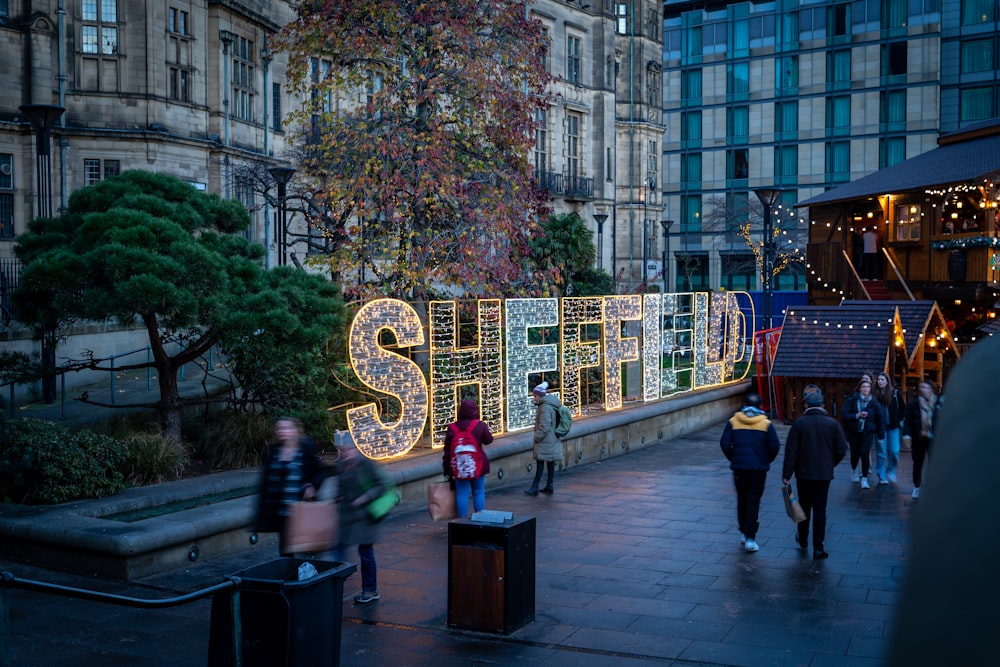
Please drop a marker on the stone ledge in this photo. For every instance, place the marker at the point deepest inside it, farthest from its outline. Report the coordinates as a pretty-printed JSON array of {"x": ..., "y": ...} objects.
[{"x": 76, "y": 537}]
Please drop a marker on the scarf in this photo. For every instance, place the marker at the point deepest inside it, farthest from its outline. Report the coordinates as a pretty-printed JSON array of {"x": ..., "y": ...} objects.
[{"x": 926, "y": 417}]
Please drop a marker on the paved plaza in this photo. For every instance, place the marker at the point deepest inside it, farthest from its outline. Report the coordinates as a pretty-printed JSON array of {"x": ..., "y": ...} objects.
[{"x": 638, "y": 562}]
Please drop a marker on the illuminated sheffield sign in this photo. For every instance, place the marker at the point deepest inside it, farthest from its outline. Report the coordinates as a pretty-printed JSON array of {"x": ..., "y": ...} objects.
[{"x": 681, "y": 341}]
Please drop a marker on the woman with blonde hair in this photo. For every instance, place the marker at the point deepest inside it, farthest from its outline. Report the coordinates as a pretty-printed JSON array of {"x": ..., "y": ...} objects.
[{"x": 893, "y": 407}]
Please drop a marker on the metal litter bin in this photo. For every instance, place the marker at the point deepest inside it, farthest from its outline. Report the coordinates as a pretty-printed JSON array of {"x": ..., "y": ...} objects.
[{"x": 282, "y": 621}]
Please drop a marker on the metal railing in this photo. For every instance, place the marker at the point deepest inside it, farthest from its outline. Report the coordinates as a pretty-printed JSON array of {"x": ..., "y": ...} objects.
[{"x": 9, "y": 582}]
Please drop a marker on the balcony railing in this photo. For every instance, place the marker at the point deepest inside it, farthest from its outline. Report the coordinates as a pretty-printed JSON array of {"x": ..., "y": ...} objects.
[{"x": 568, "y": 185}]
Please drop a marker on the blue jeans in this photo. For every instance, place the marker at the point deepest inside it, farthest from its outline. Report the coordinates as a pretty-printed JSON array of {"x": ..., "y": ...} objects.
[
  {"x": 366, "y": 558},
  {"x": 462, "y": 487},
  {"x": 888, "y": 456}
]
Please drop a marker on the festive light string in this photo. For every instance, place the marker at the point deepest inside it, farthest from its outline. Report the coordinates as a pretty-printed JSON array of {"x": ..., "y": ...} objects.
[{"x": 675, "y": 335}]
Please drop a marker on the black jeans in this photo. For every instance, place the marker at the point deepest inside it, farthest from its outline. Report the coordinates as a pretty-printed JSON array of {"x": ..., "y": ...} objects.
[
  {"x": 749, "y": 490},
  {"x": 812, "y": 497},
  {"x": 861, "y": 449},
  {"x": 550, "y": 465},
  {"x": 920, "y": 449}
]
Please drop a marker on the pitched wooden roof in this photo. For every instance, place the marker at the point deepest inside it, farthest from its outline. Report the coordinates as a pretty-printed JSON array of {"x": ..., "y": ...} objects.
[
  {"x": 835, "y": 341},
  {"x": 916, "y": 317}
]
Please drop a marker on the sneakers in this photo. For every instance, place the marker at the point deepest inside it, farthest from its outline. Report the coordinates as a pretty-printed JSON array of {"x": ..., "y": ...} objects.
[
  {"x": 751, "y": 545},
  {"x": 916, "y": 493},
  {"x": 366, "y": 597},
  {"x": 743, "y": 538},
  {"x": 882, "y": 481},
  {"x": 855, "y": 476},
  {"x": 864, "y": 483},
  {"x": 892, "y": 477}
]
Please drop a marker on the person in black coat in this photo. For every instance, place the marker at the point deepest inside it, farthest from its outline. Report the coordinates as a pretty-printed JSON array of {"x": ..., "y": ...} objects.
[
  {"x": 292, "y": 472},
  {"x": 864, "y": 421},
  {"x": 919, "y": 426},
  {"x": 750, "y": 443},
  {"x": 815, "y": 445}
]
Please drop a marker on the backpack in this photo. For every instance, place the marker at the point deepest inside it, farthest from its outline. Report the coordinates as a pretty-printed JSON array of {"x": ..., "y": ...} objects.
[
  {"x": 466, "y": 454},
  {"x": 565, "y": 420}
]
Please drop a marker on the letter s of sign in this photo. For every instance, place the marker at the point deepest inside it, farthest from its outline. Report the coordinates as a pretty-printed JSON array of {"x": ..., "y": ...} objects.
[{"x": 389, "y": 373}]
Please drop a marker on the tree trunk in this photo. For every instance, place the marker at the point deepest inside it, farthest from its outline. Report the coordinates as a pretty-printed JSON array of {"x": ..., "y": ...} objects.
[{"x": 170, "y": 409}]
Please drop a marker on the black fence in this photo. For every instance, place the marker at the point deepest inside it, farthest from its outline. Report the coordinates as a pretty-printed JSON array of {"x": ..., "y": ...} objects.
[{"x": 10, "y": 276}]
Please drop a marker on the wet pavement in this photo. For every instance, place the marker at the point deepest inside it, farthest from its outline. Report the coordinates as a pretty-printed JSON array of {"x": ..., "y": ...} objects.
[{"x": 638, "y": 562}]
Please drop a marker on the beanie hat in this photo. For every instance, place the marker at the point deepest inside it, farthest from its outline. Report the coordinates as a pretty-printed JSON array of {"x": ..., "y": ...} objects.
[
  {"x": 813, "y": 399},
  {"x": 541, "y": 389}
]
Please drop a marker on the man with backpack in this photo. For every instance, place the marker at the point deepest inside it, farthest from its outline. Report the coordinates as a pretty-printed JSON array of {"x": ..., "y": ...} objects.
[
  {"x": 464, "y": 460},
  {"x": 548, "y": 448}
]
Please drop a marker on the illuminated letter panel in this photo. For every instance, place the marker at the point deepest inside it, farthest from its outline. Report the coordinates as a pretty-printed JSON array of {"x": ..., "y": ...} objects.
[
  {"x": 617, "y": 348},
  {"x": 453, "y": 367},
  {"x": 524, "y": 359},
  {"x": 388, "y": 373}
]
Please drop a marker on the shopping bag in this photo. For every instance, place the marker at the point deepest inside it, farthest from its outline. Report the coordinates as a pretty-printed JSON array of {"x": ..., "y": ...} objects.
[
  {"x": 389, "y": 498},
  {"x": 441, "y": 501},
  {"x": 792, "y": 506},
  {"x": 311, "y": 527}
]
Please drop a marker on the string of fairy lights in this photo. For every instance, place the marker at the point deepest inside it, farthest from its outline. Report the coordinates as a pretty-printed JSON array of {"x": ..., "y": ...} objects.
[{"x": 692, "y": 336}]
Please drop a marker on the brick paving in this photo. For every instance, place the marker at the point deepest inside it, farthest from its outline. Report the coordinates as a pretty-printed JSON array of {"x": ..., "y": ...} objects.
[{"x": 638, "y": 562}]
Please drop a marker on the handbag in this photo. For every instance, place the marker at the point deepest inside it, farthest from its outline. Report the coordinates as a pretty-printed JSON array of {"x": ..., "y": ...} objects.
[
  {"x": 441, "y": 501},
  {"x": 379, "y": 507},
  {"x": 311, "y": 527},
  {"x": 792, "y": 506}
]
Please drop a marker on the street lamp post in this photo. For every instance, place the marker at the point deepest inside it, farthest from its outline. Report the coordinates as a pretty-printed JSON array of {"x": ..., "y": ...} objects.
[
  {"x": 599, "y": 218},
  {"x": 666, "y": 224},
  {"x": 281, "y": 176},
  {"x": 768, "y": 198},
  {"x": 43, "y": 117}
]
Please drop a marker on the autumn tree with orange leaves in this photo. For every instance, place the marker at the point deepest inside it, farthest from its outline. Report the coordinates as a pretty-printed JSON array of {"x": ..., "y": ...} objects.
[{"x": 416, "y": 137}]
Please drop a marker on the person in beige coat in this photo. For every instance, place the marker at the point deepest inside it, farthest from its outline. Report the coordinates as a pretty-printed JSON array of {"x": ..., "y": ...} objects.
[{"x": 548, "y": 447}]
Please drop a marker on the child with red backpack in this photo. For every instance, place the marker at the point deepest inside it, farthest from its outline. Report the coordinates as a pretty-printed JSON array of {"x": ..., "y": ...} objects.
[{"x": 464, "y": 460}]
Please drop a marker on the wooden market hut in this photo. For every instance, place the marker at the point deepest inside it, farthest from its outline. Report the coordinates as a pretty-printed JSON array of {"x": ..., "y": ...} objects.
[{"x": 831, "y": 346}]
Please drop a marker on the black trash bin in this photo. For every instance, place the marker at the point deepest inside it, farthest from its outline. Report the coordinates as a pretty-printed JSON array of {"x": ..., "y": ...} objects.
[{"x": 283, "y": 621}]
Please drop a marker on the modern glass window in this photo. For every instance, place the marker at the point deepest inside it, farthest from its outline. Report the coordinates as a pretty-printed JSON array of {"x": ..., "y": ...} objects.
[
  {"x": 792, "y": 278},
  {"x": 838, "y": 161},
  {"x": 740, "y": 36},
  {"x": 573, "y": 122},
  {"x": 789, "y": 27},
  {"x": 692, "y": 42},
  {"x": 691, "y": 213},
  {"x": 894, "y": 14},
  {"x": 738, "y": 80},
  {"x": 894, "y": 59},
  {"x": 891, "y": 150},
  {"x": 4, "y": 9},
  {"x": 739, "y": 271},
  {"x": 977, "y": 56},
  {"x": 838, "y": 115},
  {"x": 975, "y": 12},
  {"x": 786, "y": 119},
  {"x": 737, "y": 164},
  {"x": 691, "y": 128},
  {"x": 839, "y": 23},
  {"x": 976, "y": 103},
  {"x": 787, "y": 74},
  {"x": 838, "y": 69},
  {"x": 691, "y": 168},
  {"x": 244, "y": 60},
  {"x": 99, "y": 29},
  {"x": 786, "y": 162},
  {"x": 692, "y": 272},
  {"x": 572, "y": 59},
  {"x": 892, "y": 110},
  {"x": 691, "y": 84},
  {"x": 738, "y": 124}
]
